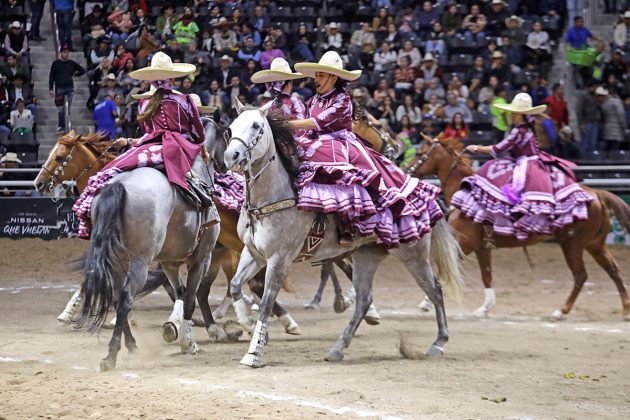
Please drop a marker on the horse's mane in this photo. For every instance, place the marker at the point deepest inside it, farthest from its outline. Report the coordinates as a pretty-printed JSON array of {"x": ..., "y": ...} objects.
[
  {"x": 285, "y": 143},
  {"x": 455, "y": 147},
  {"x": 97, "y": 142}
]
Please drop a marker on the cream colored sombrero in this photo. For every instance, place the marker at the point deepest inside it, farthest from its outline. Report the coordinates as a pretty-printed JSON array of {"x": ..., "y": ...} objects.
[
  {"x": 203, "y": 109},
  {"x": 149, "y": 93},
  {"x": 279, "y": 71},
  {"x": 162, "y": 68},
  {"x": 330, "y": 63},
  {"x": 522, "y": 104}
]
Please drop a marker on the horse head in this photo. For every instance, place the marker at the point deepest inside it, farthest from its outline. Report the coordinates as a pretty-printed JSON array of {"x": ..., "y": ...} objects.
[
  {"x": 216, "y": 142},
  {"x": 250, "y": 137}
]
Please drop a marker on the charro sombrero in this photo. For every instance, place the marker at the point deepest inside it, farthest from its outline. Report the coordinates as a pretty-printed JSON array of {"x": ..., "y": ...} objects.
[
  {"x": 522, "y": 104},
  {"x": 203, "y": 109},
  {"x": 330, "y": 63},
  {"x": 279, "y": 71},
  {"x": 161, "y": 68},
  {"x": 149, "y": 93}
]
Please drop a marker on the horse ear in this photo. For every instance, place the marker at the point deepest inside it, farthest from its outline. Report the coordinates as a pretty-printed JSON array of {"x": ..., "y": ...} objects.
[
  {"x": 266, "y": 107},
  {"x": 239, "y": 106}
]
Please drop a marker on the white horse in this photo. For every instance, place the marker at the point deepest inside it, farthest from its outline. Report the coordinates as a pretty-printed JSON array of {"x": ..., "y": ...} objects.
[{"x": 274, "y": 231}]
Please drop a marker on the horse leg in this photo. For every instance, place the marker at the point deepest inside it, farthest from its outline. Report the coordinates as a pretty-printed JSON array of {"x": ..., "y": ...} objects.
[
  {"x": 339, "y": 303},
  {"x": 601, "y": 254},
  {"x": 365, "y": 261},
  {"x": 277, "y": 269},
  {"x": 324, "y": 273},
  {"x": 484, "y": 257},
  {"x": 136, "y": 276},
  {"x": 229, "y": 266},
  {"x": 257, "y": 285},
  {"x": 573, "y": 256},
  {"x": 420, "y": 268},
  {"x": 247, "y": 268},
  {"x": 215, "y": 333},
  {"x": 171, "y": 329},
  {"x": 71, "y": 308}
]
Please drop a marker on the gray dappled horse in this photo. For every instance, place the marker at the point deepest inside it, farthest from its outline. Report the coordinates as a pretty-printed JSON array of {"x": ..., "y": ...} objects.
[
  {"x": 138, "y": 218},
  {"x": 261, "y": 147}
]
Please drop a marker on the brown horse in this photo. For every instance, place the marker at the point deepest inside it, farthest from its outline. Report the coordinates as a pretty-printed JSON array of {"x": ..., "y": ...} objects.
[
  {"x": 446, "y": 160},
  {"x": 76, "y": 157}
]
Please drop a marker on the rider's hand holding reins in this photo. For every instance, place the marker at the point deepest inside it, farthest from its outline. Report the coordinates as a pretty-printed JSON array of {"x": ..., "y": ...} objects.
[{"x": 473, "y": 148}]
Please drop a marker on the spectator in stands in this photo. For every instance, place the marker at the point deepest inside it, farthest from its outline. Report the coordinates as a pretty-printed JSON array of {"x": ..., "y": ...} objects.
[
  {"x": 16, "y": 42},
  {"x": 615, "y": 66},
  {"x": 248, "y": 30},
  {"x": 123, "y": 113},
  {"x": 104, "y": 116},
  {"x": 578, "y": 35},
  {"x": 235, "y": 90},
  {"x": 237, "y": 18},
  {"x": 140, "y": 18},
  {"x": 120, "y": 59},
  {"x": 434, "y": 88},
  {"x": 425, "y": 18},
  {"x": 499, "y": 69},
  {"x": 474, "y": 18},
  {"x": 211, "y": 19},
  {"x": 393, "y": 36},
  {"x": 436, "y": 42},
  {"x": 408, "y": 50},
  {"x": 302, "y": 45},
  {"x": 166, "y": 21},
  {"x": 13, "y": 68},
  {"x": 93, "y": 25},
  {"x": 554, "y": 12},
  {"x": 225, "y": 40},
  {"x": 21, "y": 119},
  {"x": 382, "y": 91},
  {"x": 475, "y": 33},
  {"x": 620, "y": 35},
  {"x": 110, "y": 88},
  {"x": 513, "y": 55},
  {"x": 37, "y": 11},
  {"x": 546, "y": 133},
  {"x": 194, "y": 56},
  {"x": 269, "y": 54},
  {"x": 418, "y": 91},
  {"x": 65, "y": 14},
  {"x": 362, "y": 44},
  {"x": 514, "y": 31},
  {"x": 433, "y": 108},
  {"x": 614, "y": 120},
  {"x": 124, "y": 81},
  {"x": 384, "y": 59},
  {"x": 379, "y": 23},
  {"x": 501, "y": 120},
  {"x": 451, "y": 20},
  {"x": 455, "y": 129},
  {"x": 19, "y": 90},
  {"x": 476, "y": 74},
  {"x": 566, "y": 147},
  {"x": 217, "y": 96},
  {"x": 496, "y": 15},
  {"x": 120, "y": 25},
  {"x": 455, "y": 85},
  {"x": 103, "y": 50},
  {"x": 456, "y": 105},
  {"x": 333, "y": 40},
  {"x": 430, "y": 68},
  {"x": 558, "y": 110},
  {"x": 278, "y": 36},
  {"x": 386, "y": 111},
  {"x": 186, "y": 29},
  {"x": 148, "y": 45},
  {"x": 409, "y": 109},
  {"x": 249, "y": 52},
  {"x": 173, "y": 51},
  {"x": 224, "y": 73},
  {"x": 62, "y": 72},
  {"x": 405, "y": 22},
  {"x": 249, "y": 69},
  {"x": 537, "y": 48},
  {"x": 260, "y": 20}
]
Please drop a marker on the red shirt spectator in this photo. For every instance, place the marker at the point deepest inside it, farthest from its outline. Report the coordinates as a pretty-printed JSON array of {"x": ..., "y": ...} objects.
[{"x": 558, "y": 110}]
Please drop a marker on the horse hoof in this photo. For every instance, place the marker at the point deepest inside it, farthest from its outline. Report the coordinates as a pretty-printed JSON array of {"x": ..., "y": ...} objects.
[
  {"x": 558, "y": 315},
  {"x": 217, "y": 334},
  {"x": 65, "y": 318},
  {"x": 132, "y": 349},
  {"x": 339, "y": 304},
  {"x": 312, "y": 305},
  {"x": 425, "y": 305},
  {"x": 481, "y": 313},
  {"x": 251, "y": 360},
  {"x": 255, "y": 307},
  {"x": 334, "y": 356},
  {"x": 293, "y": 330},
  {"x": 370, "y": 320},
  {"x": 169, "y": 332},
  {"x": 435, "y": 351},
  {"x": 218, "y": 315},
  {"x": 193, "y": 349},
  {"x": 106, "y": 365}
]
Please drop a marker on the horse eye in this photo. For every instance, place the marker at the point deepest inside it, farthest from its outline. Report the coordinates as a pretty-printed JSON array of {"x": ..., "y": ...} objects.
[{"x": 256, "y": 126}]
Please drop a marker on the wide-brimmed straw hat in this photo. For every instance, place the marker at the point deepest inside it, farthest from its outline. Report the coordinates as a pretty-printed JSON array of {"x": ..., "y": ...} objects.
[
  {"x": 279, "y": 71},
  {"x": 10, "y": 157},
  {"x": 149, "y": 93},
  {"x": 516, "y": 18},
  {"x": 601, "y": 91},
  {"x": 203, "y": 109},
  {"x": 626, "y": 14},
  {"x": 330, "y": 63},
  {"x": 522, "y": 104},
  {"x": 497, "y": 54},
  {"x": 162, "y": 68}
]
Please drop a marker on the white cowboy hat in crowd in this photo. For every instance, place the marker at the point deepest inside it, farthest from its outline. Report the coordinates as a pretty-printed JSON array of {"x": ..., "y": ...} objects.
[
  {"x": 497, "y": 54},
  {"x": 333, "y": 25},
  {"x": 498, "y": 2},
  {"x": 149, "y": 93},
  {"x": 15, "y": 24},
  {"x": 162, "y": 68},
  {"x": 516, "y": 18},
  {"x": 203, "y": 109},
  {"x": 522, "y": 104},
  {"x": 428, "y": 57},
  {"x": 601, "y": 91},
  {"x": 626, "y": 14},
  {"x": 279, "y": 71},
  {"x": 10, "y": 157},
  {"x": 330, "y": 63}
]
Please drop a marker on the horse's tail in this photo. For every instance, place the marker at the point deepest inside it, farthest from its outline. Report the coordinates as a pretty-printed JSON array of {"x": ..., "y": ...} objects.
[
  {"x": 103, "y": 265},
  {"x": 618, "y": 206},
  {"x": 446, "y": 254}
]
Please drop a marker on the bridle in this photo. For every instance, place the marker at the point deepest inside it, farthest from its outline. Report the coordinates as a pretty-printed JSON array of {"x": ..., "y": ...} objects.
[{"x": 424, "y": 157}]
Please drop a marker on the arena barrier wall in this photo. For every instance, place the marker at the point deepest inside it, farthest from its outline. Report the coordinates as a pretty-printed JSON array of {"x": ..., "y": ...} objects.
[{"x": 37, "y": 218}]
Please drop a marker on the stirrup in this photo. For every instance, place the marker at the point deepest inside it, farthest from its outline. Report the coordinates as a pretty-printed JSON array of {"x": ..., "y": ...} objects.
[{"x": 488, "y": 237}]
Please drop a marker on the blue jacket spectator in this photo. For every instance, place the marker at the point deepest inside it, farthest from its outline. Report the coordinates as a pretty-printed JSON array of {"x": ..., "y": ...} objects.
[
  {"x": 105, "y": 117},
  {"x": 578, "y": 35}
]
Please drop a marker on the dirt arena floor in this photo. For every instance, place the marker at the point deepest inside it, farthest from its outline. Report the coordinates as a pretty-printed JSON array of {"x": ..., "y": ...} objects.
[{"x": 515, "y": 365}]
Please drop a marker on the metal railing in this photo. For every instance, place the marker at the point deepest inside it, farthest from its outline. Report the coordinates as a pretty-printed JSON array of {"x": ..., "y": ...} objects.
[{"x": 55, "y": 29}]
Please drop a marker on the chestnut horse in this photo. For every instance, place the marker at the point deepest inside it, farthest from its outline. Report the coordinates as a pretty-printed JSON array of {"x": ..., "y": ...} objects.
[
  {"x": 76, "y": 157},
  {"x": 445, "y": 160}
]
